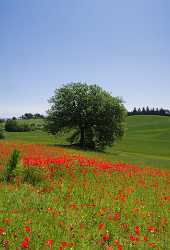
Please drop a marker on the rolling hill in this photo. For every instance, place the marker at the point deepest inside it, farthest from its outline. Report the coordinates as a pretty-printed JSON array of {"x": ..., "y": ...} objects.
[{"x": 146, "y": 141}]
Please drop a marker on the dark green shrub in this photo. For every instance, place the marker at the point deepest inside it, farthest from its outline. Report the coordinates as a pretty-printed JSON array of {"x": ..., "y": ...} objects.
[
  {"x": 2, "y": 120},
  {"x": 33, "y": 127},
  {"x": 14, "y": 172},
  {"x": 2, "y": 135},
  {"x": 11, "y": 125},
  {"x": 14, "y": 126},
  {"x": 39, "y": 126},
  {"x": 24, "y": 127},
  {"x": 11, "y": 167}
]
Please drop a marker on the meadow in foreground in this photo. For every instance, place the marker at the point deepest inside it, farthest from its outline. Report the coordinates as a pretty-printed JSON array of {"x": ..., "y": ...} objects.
[{"x": 75, "y": 202}]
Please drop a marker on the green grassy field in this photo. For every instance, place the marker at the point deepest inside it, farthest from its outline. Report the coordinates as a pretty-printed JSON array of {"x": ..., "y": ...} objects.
[
  {"x": 146, "y": 141},
  {"x": 30, "y": 121},
  {"x": 57, "y": 200}
]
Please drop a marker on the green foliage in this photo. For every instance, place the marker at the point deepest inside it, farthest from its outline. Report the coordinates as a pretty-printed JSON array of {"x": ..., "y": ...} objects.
[
  {"x": 29, "y": 116},
  {"x": 12, "y": 125},
  {"x": 2, "y": 120},
  {"x": 2, "y": 135},
  {"x": 97, "y": 116},
  {"x": 15, "y": 172},
  {"x": 32, "y": 175},
  {"x": 34, "y": 124},
  {"x": 11, "y": 167}
]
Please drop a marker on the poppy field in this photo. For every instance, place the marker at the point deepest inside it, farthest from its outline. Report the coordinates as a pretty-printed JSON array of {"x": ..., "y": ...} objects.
[{"x": 79, "y": 202}]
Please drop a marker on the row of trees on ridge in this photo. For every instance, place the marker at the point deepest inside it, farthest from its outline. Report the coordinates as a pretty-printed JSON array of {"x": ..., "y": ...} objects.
[{"x": 148, "y": 111}]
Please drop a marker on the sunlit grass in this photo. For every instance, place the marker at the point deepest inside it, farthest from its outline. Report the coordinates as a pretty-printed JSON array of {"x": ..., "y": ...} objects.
[
  {"x": 83, "y": 203},
  {"x": 146, "y": 141}
]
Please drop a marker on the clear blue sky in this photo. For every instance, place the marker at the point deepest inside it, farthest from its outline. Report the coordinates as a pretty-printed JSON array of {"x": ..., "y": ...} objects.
[{"x": 122, "y": 45}]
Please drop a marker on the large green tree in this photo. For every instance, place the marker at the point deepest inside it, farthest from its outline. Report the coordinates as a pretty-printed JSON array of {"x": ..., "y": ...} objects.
[{"x": 96, "y": 117}]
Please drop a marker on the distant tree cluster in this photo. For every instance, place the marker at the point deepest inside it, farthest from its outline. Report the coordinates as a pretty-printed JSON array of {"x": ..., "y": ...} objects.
[
  {"x": 12, "y": 125},
  {"x": 2, "y": 136},
  {"x": 2, "y": 120},
  {"x": 148, "y": 111},
  {"x": 28, "y": 116}
]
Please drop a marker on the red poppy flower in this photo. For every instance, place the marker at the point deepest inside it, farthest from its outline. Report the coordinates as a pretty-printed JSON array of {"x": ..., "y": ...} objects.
[
  {"x": 25, "y": 244},
  {"x": 82, "y": 226},
  {"x": 27, "y": 239},
  {"x": 109, "y": 248},
  {"x": 117, "y": 216},
  {"x": 119, "y": 247},
  {"x": 101, "y": 226},
  {"x": 66, "y": 244},
  {"x": 106, "y": 237},
  {"x": 27, "y": 229},
  {"x": 73, "y": 206},
  {"x": 152, "y": 229},
  {"x": 145, "y": 238},
  {"x": 152, "y": 244},
  {"x": 132, "y": 238},
  {"x": 49, "y": 243},
  {"x": 2, "y": 230},
  {"x": 137, "y": 230}
]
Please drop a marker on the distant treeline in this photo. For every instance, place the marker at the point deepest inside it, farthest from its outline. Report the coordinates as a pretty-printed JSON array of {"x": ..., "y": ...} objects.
[
  {"x": 27, "y": 116},
  {"x": 25, "y": 123},
  {"x": 148, "y": 111}
]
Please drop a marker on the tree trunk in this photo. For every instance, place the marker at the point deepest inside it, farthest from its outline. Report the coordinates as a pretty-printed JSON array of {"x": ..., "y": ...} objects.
[{"x": 82, "y": 136}]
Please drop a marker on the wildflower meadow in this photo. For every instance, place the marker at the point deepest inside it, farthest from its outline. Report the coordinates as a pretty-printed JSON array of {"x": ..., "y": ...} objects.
[{"x": 55, "y": 199}]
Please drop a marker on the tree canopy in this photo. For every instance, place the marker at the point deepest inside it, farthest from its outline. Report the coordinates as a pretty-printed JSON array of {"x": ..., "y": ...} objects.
[{"x": 96, "y": 117}]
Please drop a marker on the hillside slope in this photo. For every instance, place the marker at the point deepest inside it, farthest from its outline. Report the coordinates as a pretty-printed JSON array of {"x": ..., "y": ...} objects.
[
  {"x": 146, "y": 141},
  {"x": 147, "y": 137}
]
